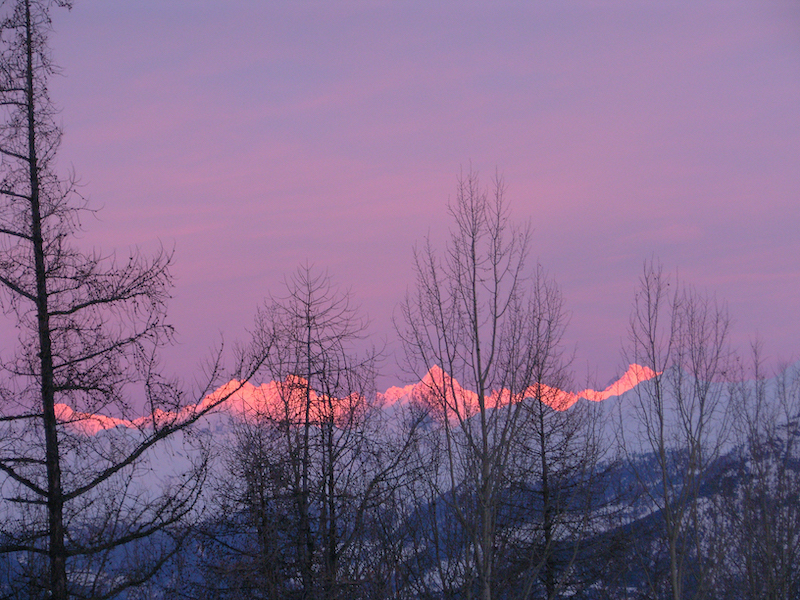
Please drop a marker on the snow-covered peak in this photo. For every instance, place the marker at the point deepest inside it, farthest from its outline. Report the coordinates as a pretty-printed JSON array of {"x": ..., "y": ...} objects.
[
  {"x": 635, "y": 375},
  {"x": 286, "y": 399}
]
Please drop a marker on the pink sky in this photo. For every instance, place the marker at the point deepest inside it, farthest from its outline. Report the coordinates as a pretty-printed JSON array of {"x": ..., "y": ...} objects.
[{"x": 256, "y": 135}]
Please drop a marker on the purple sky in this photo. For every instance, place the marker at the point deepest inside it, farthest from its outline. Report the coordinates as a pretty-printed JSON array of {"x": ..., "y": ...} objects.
[{"x": 256, "y": 135}]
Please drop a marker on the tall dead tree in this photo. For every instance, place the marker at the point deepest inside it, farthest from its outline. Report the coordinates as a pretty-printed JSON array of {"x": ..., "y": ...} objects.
[{"x": 90, "y": 327}]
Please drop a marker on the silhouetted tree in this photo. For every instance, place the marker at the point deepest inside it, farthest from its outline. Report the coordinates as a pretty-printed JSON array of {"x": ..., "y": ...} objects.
[
  {"x": 314, "y": 459},
  {"x": 681, "y": 419},
  {"x": 760, "y": 486},
  {"x": 479, "y": 318},
  {"x": 89, "y": 329}
]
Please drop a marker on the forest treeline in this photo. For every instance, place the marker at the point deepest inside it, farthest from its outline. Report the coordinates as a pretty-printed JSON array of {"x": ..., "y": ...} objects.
[{"x": 478, "y": 487}]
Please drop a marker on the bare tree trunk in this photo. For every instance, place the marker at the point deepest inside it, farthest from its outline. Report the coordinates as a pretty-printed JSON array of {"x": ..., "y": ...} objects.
[
  {"x": 547, "y": 513},
  {"x": 306, "y": 537},
  {"x": 55, "y": 500}
]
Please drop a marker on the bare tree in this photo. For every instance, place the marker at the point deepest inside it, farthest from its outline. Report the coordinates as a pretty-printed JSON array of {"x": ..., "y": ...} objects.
[
  {"x": 680, "y": 419},
  {"x": 331, "y": 458},
  {"x": 90, "y": 327},
  {"x": 244, "y": 544},
  {"x": 760, "y": 486},
  {"x": 479, "y": 318},
  {"x": 558, "y": 499},
  {"x": 550, "y": 434}
]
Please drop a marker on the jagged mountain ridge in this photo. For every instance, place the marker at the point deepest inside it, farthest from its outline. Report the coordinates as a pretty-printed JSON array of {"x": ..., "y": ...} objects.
[{"x": 245, "y": 398}]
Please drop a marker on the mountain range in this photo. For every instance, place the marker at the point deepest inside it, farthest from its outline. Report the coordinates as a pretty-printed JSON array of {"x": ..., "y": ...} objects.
[{"x": 246, "y": 398}]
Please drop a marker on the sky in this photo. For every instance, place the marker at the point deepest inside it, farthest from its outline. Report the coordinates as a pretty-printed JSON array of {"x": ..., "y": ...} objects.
[{"x": 252, "y": 136}]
